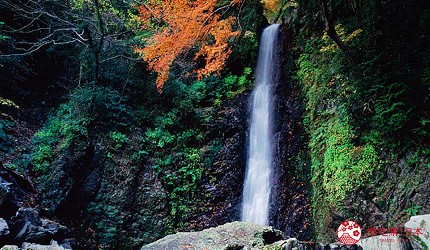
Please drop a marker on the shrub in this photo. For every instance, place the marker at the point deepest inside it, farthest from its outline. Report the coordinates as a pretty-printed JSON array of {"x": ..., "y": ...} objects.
[{"x": 87, "y": 113}]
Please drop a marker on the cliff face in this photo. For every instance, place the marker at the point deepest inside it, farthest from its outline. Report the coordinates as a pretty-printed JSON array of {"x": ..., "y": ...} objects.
[
  {"x": 101, "y": 199},
  {"x": 122, "y": 165},
  {"x": 290, "y": 197},
  {"x": 366, "y": 110}
]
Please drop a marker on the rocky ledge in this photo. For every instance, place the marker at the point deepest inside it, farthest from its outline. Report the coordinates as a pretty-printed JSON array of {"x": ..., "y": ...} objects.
[
  {"x": 236, "y": 236},
  {"x": 243, "y": 235}
]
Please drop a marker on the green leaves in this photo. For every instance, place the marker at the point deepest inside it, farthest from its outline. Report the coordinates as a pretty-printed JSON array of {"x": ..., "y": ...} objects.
[
  {"x": 69, "y": 127},
  {"x": 343, "y": 161},
  {"x": 119, "y": 139},
  {"x": 5, "y": 137}
]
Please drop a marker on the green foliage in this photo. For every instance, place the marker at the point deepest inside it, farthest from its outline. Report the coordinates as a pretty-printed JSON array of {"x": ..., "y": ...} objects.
[
  {"x": 5, "y": 138},
  {"x": 229, "y": 87},
  {"x": 7, "y": 102},
  {"x": 160, "y": 136},
  {"x": 69, "y": 128},
  {"x": 390, "y": 111},
  {"x": 6, "y": 124},
  {"x": 66, "y": 128},
  {"x": 413, "y": 210},
  {"x": 108, "y": 225},
  {"x": 175, "y": 138},
  {"x": 341, "y": 162},
  {"x": 119, "y": 139},
  {"x": 2, "y": 37},
  {"x": 210, "y": 91},
  {"x": 345, "y": 167}
]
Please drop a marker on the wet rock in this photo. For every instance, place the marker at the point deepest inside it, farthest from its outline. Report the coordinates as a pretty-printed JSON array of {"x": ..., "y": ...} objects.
[
  {"x": 382, "y": 242},
  {"x": 420, "y": 225},
  {"x": 27, "y": 226},
  {"x": 8, "y": 201},
  {"x": 12, "y": 187},
  {"x": 290, "y": 205}
]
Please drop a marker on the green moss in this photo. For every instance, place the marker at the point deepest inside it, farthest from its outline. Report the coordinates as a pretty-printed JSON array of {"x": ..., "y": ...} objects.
[{"x": 341, "y": 162}]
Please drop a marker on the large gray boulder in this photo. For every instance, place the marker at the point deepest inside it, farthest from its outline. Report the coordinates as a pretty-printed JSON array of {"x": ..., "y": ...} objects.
[
  {"x": 420, "y": 226},
  {"x": 234, "y": 235},
  {"x": 385, "y": 242},
  {"x": 31, "y": 246},
  {"x": 239, "y": 236}
]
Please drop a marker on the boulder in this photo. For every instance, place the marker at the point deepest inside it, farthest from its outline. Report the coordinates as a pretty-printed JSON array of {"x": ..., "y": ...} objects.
[
  {"x": 4, "y": 232},
  {"x": 385, "y": 242},
  {"x": 8, "y": 201},
  {"x": 420, "y": 226},
  {"x": 26, "y": 226},
  {"x": 294, "y": 244},
  {"x": 13, "y": 187},
  {"x": 234, "y": 235},
  {"x": 4, "y": 227},
  {"x": 31, "y": 246}
]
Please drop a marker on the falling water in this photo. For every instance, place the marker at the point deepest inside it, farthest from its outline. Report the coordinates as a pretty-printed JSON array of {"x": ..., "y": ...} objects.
[{"x": 257, "y": 186}]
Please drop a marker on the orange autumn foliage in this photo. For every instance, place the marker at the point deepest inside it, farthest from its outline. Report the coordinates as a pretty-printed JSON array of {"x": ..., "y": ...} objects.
[
  {"x": 271, "y": 5},
  {"x": 185, "y": 24}
]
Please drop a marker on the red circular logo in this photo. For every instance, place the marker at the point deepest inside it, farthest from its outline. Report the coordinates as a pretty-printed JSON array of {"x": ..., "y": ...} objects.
[{"x": 349, "y": 232}]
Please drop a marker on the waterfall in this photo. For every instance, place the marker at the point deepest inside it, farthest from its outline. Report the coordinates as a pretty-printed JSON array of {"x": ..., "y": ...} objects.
[{"x": 257, "y": 185}]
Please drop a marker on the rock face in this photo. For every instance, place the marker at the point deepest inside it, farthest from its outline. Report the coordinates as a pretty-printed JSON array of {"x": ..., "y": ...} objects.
[
  {"x": 290, "y": 206},
  {"x": 235, "y": 235},
  {"x": 422, "y": 224},
  {"x": 224, "y": 196},
  {"x": 126, "y": 206}
]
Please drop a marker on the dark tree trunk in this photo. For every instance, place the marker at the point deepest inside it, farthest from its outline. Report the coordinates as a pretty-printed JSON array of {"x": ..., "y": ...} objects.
[{"x": 331, "y": 31}]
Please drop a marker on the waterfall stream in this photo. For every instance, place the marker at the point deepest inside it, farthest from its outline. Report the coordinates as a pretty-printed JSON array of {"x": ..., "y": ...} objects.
[{"x": 256, "y": 193}]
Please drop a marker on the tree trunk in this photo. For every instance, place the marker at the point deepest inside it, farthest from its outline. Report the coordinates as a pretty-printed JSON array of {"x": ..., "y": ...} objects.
[{"x": 331, "y": 31}]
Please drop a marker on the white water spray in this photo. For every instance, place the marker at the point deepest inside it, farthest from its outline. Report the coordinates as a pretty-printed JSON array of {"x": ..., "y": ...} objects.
[{"x": 257, "y": 186}]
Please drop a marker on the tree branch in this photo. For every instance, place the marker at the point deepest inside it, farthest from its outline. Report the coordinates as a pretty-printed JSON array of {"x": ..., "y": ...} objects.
[{"x": 331, "y": 31}]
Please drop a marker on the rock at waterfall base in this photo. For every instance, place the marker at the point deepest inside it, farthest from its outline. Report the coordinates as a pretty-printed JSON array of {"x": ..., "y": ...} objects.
[
  {"x": 420, "y": 225},
  {"x": 234, "y": 235}
]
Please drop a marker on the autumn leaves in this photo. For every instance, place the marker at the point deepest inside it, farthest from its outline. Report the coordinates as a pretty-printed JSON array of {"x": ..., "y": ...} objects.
[{"x": 180, "y": 25}]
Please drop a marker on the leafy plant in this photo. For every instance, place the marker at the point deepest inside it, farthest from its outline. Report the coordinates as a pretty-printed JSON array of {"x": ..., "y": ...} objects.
[
  {"x": 413, "y": 210},
  {"x": 119, "y": 139},
  {"x": 69, "y": 127},
  {"x": 5, "y": 138}
]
